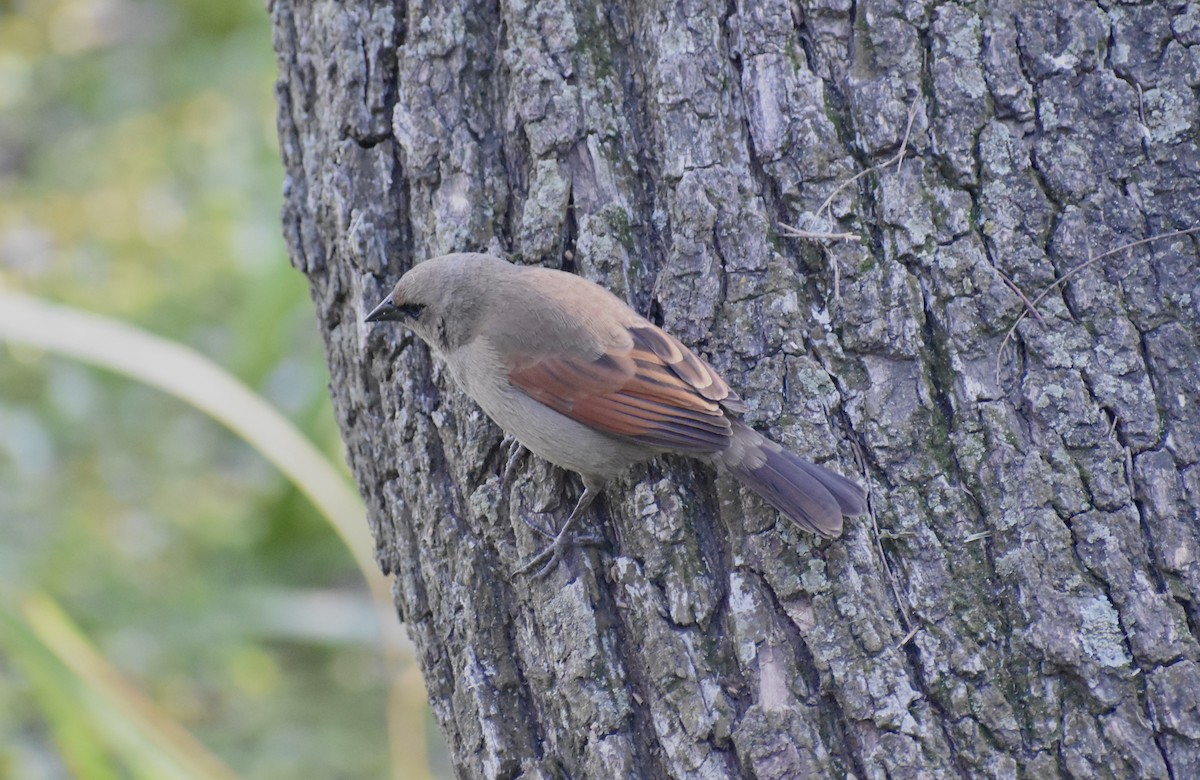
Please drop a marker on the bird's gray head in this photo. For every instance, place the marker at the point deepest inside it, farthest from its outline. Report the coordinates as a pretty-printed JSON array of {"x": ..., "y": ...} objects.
[{"x": 442, "y": 299}]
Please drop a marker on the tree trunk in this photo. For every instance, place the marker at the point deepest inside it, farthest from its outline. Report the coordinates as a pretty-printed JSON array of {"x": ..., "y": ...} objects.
[{"x": 1024, "y": 600}]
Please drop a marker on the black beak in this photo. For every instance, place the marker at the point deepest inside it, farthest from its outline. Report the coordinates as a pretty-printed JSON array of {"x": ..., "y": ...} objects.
[{"x": 384, "y": 311}]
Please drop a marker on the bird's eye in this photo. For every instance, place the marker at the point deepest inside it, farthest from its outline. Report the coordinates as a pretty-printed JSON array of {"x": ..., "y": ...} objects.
[{"x": 411, "y": 310}]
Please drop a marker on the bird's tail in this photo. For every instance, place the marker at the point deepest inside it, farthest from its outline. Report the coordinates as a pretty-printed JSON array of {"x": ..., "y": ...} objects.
[{"x": 811, "y": 496}]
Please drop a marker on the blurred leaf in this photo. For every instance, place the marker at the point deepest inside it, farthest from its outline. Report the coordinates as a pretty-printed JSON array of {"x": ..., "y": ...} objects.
[
  {"x": 81, "y": 692},
  {"x": 58, "y": 695},
  {"x": 192, "y": 377}
]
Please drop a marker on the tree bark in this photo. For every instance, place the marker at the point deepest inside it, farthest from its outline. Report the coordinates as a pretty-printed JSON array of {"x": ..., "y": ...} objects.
[{"x": 1024, "y": 600}]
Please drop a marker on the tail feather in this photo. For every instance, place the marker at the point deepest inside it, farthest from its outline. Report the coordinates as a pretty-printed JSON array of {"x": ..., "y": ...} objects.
[
  {"x": 849, "y": 495},
  {"x": 811, "y": 496}
]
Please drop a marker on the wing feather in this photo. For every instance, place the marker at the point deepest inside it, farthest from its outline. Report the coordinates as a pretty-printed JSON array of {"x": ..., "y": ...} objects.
[{"x": 655, "y": 391}]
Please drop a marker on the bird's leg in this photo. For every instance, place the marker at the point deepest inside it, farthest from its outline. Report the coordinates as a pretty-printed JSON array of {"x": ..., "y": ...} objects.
[{"x": 552, "y": 553}]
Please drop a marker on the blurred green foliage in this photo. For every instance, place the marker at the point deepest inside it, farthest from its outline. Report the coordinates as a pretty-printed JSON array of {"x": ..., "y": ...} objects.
[{"x": 139, "y": 177}]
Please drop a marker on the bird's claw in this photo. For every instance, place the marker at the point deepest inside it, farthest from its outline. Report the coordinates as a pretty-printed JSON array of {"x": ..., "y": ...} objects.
[
  {"x": 548, "y": 558},
  {"x": 550, "y": 555},
  {"x": 515, "y": 451},
  {"x": 539, "y": 528},
  {"x": 593, "y": 539}
]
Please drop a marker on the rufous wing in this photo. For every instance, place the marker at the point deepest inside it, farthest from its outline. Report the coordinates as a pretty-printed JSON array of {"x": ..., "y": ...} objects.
[{"x": 655, "y": 392}]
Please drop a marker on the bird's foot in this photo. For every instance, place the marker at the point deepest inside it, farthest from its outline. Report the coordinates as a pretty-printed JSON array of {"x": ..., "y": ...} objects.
[
  {"x": 562, "y": 541},
  {"x": 546, "y": 532},
  {"x": 515, "y": 451},
  {"x": 553, "y": 553}
]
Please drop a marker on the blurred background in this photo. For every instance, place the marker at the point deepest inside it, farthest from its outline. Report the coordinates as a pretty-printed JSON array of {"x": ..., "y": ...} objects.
[{"x": 140, "y": 180}]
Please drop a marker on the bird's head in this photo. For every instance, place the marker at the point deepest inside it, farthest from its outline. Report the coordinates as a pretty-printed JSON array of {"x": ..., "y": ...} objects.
[{"x": 442, "y": 299}]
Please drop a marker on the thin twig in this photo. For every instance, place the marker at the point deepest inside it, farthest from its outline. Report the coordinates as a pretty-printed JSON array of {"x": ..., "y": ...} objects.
[
  {"x": 898, "y": 157},
  {"x": 908, "y": 624},
  {"x": 912, "y": 114},
  {"x": 907, "y": 637},
  {"x": 811, "y": 235},
  {"x": 826, "y": 207},
  {"x": 1060, "y": 281},
  {"x": 1129, "y": 473},
  {"x": 1010, "y": 284}
]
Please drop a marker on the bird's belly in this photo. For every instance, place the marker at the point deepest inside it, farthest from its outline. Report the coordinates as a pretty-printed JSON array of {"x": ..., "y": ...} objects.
[
  {"x": 543, "y": 431},
  {"x": 561, "y": 440}
]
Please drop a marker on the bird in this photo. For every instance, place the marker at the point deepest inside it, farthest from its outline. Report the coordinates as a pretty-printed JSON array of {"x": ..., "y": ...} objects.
[{"x": 579, "y": 378}]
